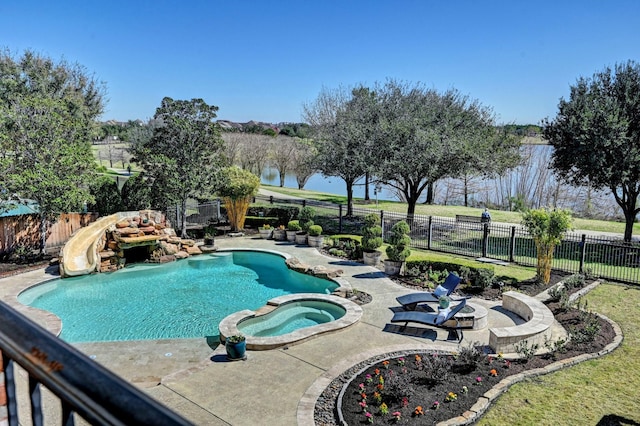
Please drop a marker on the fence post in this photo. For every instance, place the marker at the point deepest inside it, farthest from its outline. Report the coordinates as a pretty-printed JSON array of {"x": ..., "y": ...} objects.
[
  {"x": 270, "y": 199},
  {"x": 485, "y": 239},
  {"x": 382, "y": 223},
  {"x": 340, "y": 218},
  {"x": 512, "y": 245},
  {"x": 429, "y": 230},
  {"x": 304, "y": 203},
  {"x": 583, "y": 252}
]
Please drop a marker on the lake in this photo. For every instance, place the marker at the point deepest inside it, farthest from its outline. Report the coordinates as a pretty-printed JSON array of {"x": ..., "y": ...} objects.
[{"x": 532, "y": 183}]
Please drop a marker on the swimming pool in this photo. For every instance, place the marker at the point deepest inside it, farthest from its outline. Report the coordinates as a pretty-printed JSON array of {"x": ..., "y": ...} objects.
[{"x": 184, "y": 299}]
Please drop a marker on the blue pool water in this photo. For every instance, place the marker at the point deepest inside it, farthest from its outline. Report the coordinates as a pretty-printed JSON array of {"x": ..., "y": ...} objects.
[
  {"x": 290, "y": 317},
  {"x": 185, "y": 299}
]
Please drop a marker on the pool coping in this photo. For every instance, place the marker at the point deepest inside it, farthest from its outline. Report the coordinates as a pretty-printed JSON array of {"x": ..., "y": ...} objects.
[{"x": 229, "y": 325}]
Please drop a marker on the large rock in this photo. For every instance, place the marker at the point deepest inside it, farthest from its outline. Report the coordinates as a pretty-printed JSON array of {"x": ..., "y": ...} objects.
[
  {"x": 294, "y": 264},
  {"x": 169, "y": 248},
  {"x": 324, "y": 272},
  {"x": 182, "y": 255},
  {"x": 192, "y": 250},
  {"x": 148, "y": 229},
  {"x": 170, "y": 232},
  {"x": 130, "y": 230},
  {"x": 167, "y": 258}
]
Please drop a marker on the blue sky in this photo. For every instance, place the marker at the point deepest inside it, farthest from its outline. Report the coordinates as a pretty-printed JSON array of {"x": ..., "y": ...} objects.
[{"x": 261, "y": 60}]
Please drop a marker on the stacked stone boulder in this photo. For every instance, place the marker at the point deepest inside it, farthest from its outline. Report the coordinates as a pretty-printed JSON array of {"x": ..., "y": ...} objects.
[{"x": 150, "y": 229}]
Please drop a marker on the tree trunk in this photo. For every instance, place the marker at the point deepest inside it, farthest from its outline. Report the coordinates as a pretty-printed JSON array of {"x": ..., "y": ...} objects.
[
  {"x": 412, "y": 200},
  {"x": 366, "y": 187},
  {"x": 349, "y": 197},
  {"x": 282, "y": 174},
  {"x": 629, "y": 219},
  {"x": 43, "y": 234},
  {"x": 430, "y": 193},
  {"x": 466, "y": 191},
  {"x": 183, "y": 218}
]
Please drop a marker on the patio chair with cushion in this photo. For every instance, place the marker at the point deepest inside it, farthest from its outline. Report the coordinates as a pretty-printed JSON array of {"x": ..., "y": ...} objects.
[
  {"x": 410, "y": 301},
  {"x": 443, "y": 319}
]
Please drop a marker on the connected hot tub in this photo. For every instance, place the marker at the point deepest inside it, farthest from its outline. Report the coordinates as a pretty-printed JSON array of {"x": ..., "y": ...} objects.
[{"x": 290, "y": 319}]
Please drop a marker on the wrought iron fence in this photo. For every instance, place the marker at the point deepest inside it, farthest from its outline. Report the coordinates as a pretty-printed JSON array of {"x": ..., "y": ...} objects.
[
  {"x": 198, "y": 215},
  {"x": 601, "y": 256},
  {"x": 82, "y": 386}
]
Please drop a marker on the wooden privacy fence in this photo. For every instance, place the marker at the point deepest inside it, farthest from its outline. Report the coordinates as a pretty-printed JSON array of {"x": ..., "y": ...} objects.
[{"x": 24, "y": 231}]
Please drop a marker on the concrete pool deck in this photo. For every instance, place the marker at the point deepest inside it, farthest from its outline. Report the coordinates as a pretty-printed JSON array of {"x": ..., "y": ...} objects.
[{"x": 274, "y": 387}]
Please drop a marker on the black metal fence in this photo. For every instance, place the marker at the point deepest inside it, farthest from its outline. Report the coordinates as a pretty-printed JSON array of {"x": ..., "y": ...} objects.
[
  {"x": 82, "y": 386},
  {"x": 605, "y": 257},
  {"x": 198, "y": 215}
]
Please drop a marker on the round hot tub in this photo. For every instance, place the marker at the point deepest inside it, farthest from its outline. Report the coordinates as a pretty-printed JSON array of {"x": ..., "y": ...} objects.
[{"x": 290, "y": 319}]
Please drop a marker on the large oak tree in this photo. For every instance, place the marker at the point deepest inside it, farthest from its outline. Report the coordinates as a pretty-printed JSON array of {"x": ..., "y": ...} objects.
[
  {"x": 424, "y": 135},
  {"x": 48, "y": 113},
  {"x": 184, "y": 154},
  {"x": 596, "y": 136}
]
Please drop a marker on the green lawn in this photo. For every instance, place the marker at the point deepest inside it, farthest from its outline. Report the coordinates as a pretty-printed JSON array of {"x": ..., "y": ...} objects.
[
  {"x": 451, "y": 211},
  {"x": 585, "y": 393}
]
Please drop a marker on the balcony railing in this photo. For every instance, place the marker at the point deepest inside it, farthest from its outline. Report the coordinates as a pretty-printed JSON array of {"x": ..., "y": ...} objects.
[{"x": 81, "y": 385}]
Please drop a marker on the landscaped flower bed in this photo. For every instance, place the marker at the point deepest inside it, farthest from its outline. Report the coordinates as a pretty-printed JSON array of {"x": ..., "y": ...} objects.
[{"x": 425, "y": 388}]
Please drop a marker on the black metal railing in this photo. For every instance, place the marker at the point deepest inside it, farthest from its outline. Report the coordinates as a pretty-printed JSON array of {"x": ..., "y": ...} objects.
[
  {"x": 82, "y": 386},
  {"x": 605, "y": 257}
]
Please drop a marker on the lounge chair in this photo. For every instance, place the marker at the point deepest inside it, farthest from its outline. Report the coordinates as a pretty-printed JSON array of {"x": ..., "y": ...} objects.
[
  {"x": 444, "y": 319},
  {"x": 410, "y": 301}
]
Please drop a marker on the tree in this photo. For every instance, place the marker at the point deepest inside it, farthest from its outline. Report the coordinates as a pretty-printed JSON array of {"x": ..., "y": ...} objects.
[
  {"x": 184, "y": 153},
  {"x": 107, "y": 197},
  {"x": 341, "y": 123},
  {"x": 236, "y": 187},
  {"x": 489, "y": 155},
  {"x": 596, "y": 136},
  {"x": 303, "y": 160},
  {"x": 283, "y": 148},
  {"x": 136, "y": 193},
  {"x": 424, "y": 136},
  {"x": 546, "y": 227},
  {"x": 48, "y": 112}
]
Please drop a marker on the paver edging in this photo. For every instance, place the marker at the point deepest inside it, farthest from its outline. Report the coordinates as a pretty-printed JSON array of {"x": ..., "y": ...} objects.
[{"x": 306, "y": 406}]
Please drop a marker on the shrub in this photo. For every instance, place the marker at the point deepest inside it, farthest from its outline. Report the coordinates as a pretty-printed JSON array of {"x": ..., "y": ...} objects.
[
  {"x": 294, "y": 225},
  {"x": 574, "y": 281},
  {"x": 337, "y": 252},
  {"x": 283, "y": 213},
  {"x": 371, "y": 233},
  {"x": 558, "y": 294},
  {"x": 525, "y": 351},
  {"x": 305, "y": 217},
  {"x": 436, "y": 368},
  {"x": 398, "y": 250},
  {"x": 315, "y": 230},
  {"x": 349, "y": 246},
  {"x": 480, "y": 277},
  {"x": 468, "y": 358}
]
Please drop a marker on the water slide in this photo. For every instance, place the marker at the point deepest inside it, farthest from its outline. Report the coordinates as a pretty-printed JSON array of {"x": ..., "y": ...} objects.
[{"x": 79, "y": 255}]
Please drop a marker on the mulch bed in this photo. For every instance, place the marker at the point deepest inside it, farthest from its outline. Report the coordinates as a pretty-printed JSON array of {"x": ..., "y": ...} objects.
[
  {"x": 8, "y": 269},
  {"x": 420, "y": 384},
  {"x": 411, "y": 385}
]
